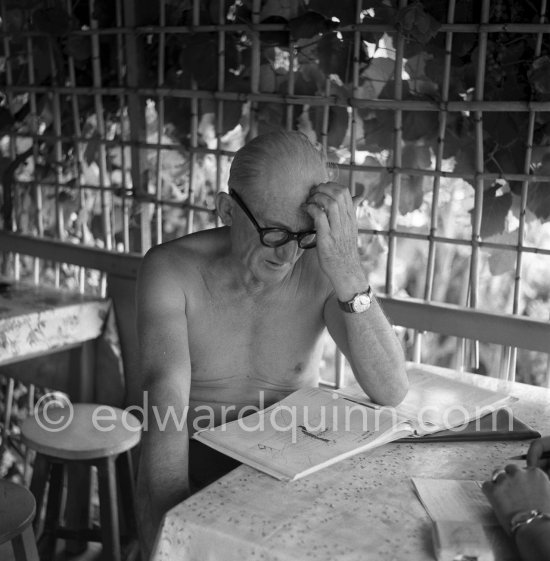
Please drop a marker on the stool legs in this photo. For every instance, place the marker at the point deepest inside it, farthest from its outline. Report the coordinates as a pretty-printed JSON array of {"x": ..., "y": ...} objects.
[
  {"x": 77, "y": 509},
  {"x": 56, "y": 472},
  {"x": 40, "y": 476},
  {"x": 108, "y": 508},
  {"x": 24, "y": 546},
  {"x": 126, "y": 484},
  {"x": 47, "y": 540}
]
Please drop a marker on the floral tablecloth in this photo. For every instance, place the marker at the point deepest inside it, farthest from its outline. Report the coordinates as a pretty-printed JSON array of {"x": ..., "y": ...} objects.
[{"x": 363, "y": 508}]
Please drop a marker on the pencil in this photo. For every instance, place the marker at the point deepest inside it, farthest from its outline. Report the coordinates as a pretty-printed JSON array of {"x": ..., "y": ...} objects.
[{"x": 544, "y": 456}]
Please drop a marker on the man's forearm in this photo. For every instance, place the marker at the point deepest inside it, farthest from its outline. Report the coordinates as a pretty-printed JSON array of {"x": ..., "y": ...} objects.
[{"x": 376, "y": 355}]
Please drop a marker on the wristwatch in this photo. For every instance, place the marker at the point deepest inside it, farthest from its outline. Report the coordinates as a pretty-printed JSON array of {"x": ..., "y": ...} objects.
[
  {"x": 526, "y": 517},
  {"x": 359, "y": 303}
]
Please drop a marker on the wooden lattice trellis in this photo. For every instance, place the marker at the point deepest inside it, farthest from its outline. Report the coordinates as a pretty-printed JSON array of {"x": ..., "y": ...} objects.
[{"x": 112, "y": 136}]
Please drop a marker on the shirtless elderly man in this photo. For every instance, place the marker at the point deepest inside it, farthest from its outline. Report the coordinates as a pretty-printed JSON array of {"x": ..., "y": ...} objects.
[{"x": 227, "y": 314}]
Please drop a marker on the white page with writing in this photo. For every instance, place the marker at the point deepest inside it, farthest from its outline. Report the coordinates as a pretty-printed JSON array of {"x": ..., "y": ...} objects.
[{"x": 309, "y": 429}]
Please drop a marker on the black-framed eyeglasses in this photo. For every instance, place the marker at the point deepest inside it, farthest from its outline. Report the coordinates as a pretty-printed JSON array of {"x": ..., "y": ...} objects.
[{"x": 276, "y": 237}]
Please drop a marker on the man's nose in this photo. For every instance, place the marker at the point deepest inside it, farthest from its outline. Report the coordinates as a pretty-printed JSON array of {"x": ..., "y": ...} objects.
[{"x": 288, "y": 252}]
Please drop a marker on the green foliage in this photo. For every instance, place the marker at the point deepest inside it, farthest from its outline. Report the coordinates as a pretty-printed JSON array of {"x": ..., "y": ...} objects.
[{"x": 323, "y": 49}]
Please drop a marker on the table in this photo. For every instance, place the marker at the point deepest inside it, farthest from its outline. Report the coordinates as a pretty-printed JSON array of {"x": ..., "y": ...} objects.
[
  {"x": 38, "y": 321},
  {"x": 359, "y": 509}
]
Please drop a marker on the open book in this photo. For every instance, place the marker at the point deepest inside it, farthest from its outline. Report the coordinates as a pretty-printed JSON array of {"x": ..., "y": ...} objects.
[
  {"x": 436, "y": 403},
  {"x": 313, "y": 428}
]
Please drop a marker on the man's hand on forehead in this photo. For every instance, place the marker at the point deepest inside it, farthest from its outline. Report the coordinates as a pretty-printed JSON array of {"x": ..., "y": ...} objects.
[
  {"x": 334, "y": 212},
  {"x": 329, "y": 192}
]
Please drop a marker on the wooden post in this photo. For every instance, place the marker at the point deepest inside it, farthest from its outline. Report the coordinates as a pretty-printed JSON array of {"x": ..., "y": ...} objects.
[{"x": 135, "y": 15}]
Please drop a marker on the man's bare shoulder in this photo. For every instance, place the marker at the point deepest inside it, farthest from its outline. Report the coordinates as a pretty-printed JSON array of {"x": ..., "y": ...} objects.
[{"x": 187, "y": 254}]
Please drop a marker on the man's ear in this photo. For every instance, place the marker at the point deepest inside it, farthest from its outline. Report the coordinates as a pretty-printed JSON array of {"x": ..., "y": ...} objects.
[{"x": 224, "y": 208}]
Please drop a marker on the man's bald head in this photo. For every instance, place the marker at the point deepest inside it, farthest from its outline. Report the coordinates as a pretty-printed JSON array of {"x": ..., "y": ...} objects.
[{"x": 278, "y": 164}]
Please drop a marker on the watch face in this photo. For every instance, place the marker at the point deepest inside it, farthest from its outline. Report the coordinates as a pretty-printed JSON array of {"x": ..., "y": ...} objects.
[{"x": 361, "y": 303}]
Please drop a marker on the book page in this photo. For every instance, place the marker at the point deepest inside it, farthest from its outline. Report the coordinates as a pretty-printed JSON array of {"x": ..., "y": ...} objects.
[
  {"x": 435, "y": 402},
  {"x": 455, "y": 500},
  {"x": 307, "y": 430}
]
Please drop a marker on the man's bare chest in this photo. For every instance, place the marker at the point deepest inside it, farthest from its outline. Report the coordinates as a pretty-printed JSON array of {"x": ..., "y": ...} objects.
[{"x": 274, "y": 339}]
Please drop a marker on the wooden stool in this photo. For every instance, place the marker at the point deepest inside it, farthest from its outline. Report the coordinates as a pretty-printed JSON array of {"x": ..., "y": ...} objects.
[
  {"x": 17, "y": 509},
  {"x": 78, "y": 435}
]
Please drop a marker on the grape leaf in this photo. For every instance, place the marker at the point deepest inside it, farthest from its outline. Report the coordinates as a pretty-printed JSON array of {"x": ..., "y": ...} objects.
[
  {"x": 177, "y": 110},
  {"x": 494, "y": 211},
  {"x": 214, "y": 10},
  {"x": 418, "y": 79},
  {"x": 308, "y": 80},
  {"x": 199, "y": 57},
  {"x": 420, "y": 125},
  {"x": 337, "y": 126},
  {"x": 374, "y": 78},
  {"x": 334, "y": 52},
  {"x": 378, "y": 132},
  {"x": 412, "y": 186},
  {"x": 501, "y": 260},
  {"x": 281, "y": 38},
  {"x": 375, "y": 183},
  {"x": 54, "y": 21},
  {"x": 382, "y": 15},
  {"x": 539, "y": 75},
  {"x": 92, "y": 148},
  {"x": 416, "y": 24},
  {"x": 310, "y": 24},
  {"x": 538, "y": 199},
  {"x": 416, "y": 125},
  {"x": 79, "y": 47},
  {"x": 412, "y": 193},
  {"x": 505, "y": 127},
  {"x": 505, "y": 160},
  {"x": 282, "y": 8},
  {"x": 6, "y": 120},
  {"x": 42, "y": 62},
  {"x": 268, "y": 79},
  {"x": 14, "y": 20},
  {"x": 376, "y": 192},
  {"x": 270, "y": 117},
  {"x": 343, "y": 10},
  {"x": 232, "y": 111}
]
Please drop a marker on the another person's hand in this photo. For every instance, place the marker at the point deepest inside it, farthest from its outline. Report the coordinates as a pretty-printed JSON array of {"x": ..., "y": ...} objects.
[
  {"x": 516, "y": 489},
  {"x": 534, "y": 454}
]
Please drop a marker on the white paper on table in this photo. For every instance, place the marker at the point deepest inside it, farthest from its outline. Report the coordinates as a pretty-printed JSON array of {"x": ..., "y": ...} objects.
[
  {"x": 455, "y": 500},
  {"x": 464, "y": 524}
]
